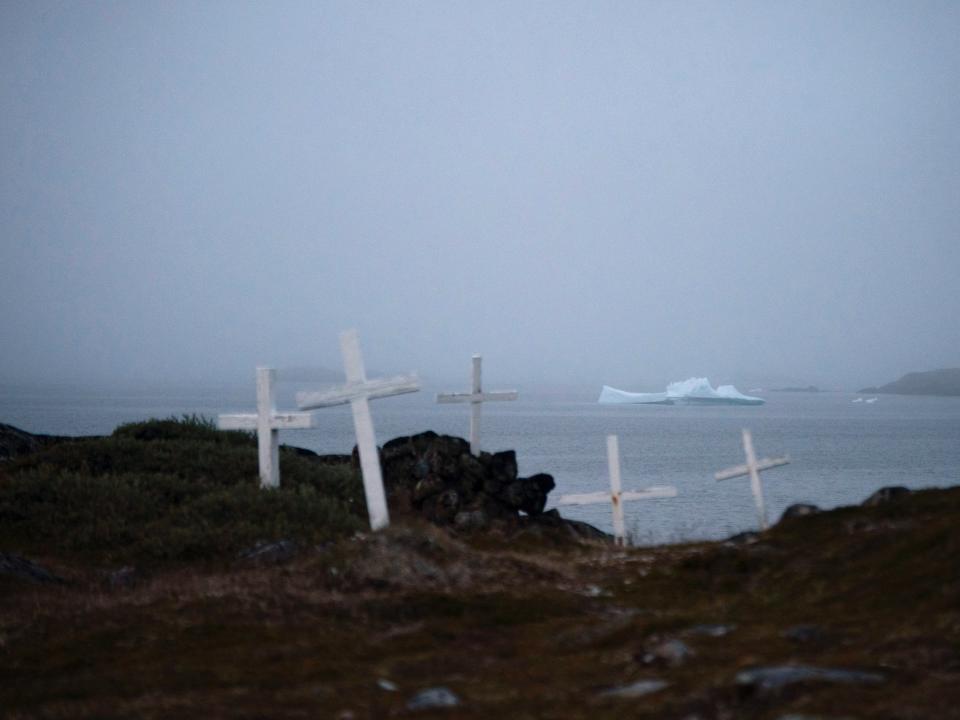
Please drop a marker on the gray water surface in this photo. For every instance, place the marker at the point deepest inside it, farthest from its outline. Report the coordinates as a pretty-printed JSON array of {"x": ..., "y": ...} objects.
[{"x": 841, "y": 451}]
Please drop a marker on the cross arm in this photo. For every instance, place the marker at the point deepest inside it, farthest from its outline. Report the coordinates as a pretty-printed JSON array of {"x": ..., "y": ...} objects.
[
  {"x": 237, "y": 422},
  {"x": 477, "y": 397},
  {"x": 371, "y": 389},
  {"x": 738, "y": 470},
  {"x": 278, "y": 421},
  {"x": 603, "y": 496},
  {"x": 657, "y": 491},
  {"x": 292, "y": 420}
]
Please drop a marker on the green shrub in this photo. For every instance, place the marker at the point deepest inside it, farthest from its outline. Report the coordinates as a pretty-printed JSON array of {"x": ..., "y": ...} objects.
[{"x": 169, "y": 490}]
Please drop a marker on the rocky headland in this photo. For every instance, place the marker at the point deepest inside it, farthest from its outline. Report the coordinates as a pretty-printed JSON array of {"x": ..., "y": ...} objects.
[{"x": 944, "y": 382}]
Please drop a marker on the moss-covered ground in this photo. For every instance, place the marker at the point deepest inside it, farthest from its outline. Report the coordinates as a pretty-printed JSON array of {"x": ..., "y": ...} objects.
[{"x": 521, "y": 629}]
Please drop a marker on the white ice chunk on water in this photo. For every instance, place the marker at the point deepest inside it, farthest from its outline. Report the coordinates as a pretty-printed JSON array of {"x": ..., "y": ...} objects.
[
  {"x": 692, "y": 391},
  {"x": 612, "y": 395}
]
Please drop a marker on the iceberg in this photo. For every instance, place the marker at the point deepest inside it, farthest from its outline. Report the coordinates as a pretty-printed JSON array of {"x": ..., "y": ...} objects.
[
  {"x": 612, "y": 395},
  {"x": 693, "y": 391}
]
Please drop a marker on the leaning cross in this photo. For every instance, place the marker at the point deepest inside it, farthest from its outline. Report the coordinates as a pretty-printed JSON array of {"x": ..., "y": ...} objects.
[
  {"x": 753, "y": 468},
  {"x": 616, "y": 497},
  {"x": 267, "y": 422},
  {"x": 476, "y": 397},
  {"x": 358, "y": 392}
]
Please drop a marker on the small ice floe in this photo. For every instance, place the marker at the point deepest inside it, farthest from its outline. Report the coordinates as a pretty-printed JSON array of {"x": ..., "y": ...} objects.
[{"x": 871, "y": 400}]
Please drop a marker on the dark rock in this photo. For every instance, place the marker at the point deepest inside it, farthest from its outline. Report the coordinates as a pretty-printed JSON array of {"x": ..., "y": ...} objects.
[
  {"x": 435, "y": 697},
  {"x": 471, "y": 520},
  {"x": 804, "y": 633},
  {"x": 745, "y": 538},
  {"x": 448, "y": 503},
  {"x": 771, "y": 679},
  {"x": 672, "y": 653},
  {"x": 125, "y": 577},
  {"x": 634, "y": 690},
  {"x": 15, "y": 442},
  {"x": 23, "y": 569},
  {"x": 552, "y": 523},
  {"x": 799, "y": 510},
  {"x": 504, "y": 465},
  {"x": 436, "y": 477},
  {"x": 710, "y": 630},
  {"x": 270, "y": 553},
  {"x": 427, "y": 487},
  {"x": 886, "y": 495}
]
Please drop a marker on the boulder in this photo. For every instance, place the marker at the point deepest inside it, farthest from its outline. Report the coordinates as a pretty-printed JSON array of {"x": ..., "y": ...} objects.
[
  {"x": 432, "y": 698},
  {"x": 672, "y": 653},
  {"x": 748, "y": 537},
  {"x": 799, "y": 510},
  {"x": 885, "y": 495},
  {"x": 634, "y": 690},
  {"x": 771, "y": 679},
  {"x": 551, "y": 523}
]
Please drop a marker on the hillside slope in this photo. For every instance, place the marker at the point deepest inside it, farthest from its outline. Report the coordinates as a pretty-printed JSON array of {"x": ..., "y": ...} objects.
[
  {"x": 933, "y": 382},
  {"x": 853, "y": 612}
]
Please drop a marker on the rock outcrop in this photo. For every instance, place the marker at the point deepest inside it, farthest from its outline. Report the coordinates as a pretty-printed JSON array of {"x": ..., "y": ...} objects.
[
  {"x": 437, "y": 477},
  {"x": 15, "y": 442}
]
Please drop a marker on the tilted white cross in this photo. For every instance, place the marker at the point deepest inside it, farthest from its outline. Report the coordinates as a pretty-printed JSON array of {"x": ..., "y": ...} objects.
[
  {"x": 476, "y": 397},
  {"x": 358, "y": 392},
  {"x": 616, "y": 497},
  {"x": 267, "y": 422},
  {"x": 753, "y": 468}
]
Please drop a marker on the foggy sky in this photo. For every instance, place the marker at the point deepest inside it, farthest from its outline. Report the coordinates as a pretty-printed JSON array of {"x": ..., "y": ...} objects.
[{"x": 587, "y": 192}]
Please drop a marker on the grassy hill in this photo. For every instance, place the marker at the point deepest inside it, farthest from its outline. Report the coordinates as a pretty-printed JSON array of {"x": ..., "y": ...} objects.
[
  {"x": 168, "y": 491},
  {"x": 533, "y": 625}
]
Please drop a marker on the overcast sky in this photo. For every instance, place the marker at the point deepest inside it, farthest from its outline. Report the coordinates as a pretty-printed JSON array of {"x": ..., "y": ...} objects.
[{"x": 621, "y": 192}]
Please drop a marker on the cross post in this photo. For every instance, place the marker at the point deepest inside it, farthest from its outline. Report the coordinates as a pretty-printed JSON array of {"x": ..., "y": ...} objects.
[
  {"x": 476, "y": 397},
  {"x": 358, "y": 392},
  {"x": 753, "y": 468},
  {"x": 616, "y": 497},
  {"x": 267, "y": 422}
]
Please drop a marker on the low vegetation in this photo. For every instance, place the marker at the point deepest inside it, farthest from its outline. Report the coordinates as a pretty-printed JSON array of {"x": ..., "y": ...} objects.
[
  {"x": 168, "y": 491},
  {"x": 537, "y": 626}
]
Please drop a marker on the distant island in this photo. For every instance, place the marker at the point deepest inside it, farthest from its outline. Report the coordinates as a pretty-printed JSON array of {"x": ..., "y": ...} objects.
[
  {"x": 807, "y": 389},
  {"x": 933, "y": 382}
]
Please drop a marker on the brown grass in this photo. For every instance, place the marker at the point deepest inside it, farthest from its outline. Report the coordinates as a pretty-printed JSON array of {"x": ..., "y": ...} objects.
[{"x": 518, "y": 633}]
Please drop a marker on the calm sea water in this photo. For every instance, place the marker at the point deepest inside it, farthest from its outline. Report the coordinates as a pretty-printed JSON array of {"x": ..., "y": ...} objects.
[{"x": 841, "y": 451}]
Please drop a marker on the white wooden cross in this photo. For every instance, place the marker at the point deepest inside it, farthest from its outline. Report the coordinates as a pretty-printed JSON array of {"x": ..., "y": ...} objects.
[
  {"x": 476, "y": 397},
  {"x": 267, "y": 422},
  {"x": 616, "y": 497},
  {"x": 358, "y": 392},
  {"x": 753, "y": 468}
]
